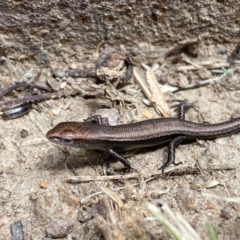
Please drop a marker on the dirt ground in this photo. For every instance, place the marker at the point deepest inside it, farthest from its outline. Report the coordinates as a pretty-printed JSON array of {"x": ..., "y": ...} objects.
[{"x": 33, "y": 170}]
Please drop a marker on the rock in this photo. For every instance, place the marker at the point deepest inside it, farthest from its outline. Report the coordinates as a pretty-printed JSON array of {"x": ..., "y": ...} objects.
[{"x": 59, "y": 228}]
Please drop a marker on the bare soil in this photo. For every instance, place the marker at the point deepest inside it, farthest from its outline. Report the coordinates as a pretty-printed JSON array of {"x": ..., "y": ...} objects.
[{"x": 33, "y": 170}]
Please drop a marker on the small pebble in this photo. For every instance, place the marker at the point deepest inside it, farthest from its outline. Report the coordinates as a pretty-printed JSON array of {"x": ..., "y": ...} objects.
[
  {"x": 30, "y": 74},
  {"x": 59, "y": 228},
  {"x": 17, "y": 231},
  {"x": 155, "y": 67},
  {"x": 84, "y": 216},
  {"x": 43, "y": 184},
  {"x": 42, "y": 58},
  {"x": 59, "y": 73},
  {"x": 24, "y": 133},
  {"x": 53, "y": 83},
  {"x": 3, "y": 59},
  {"x": 63, "y": 85},
  {"x": 146, "y": 102},
  {"x": 204, "y": 74},
  {"x": 73, "y": 66},
  {"x": 227, "y": 212},
  {"x": 56, "y": 111},
  {"x": 33, "y": 196},
  {"x": 161, "y": 60},
  {"x": 146, "y": 114},
  {"x": 197, "y": 185},
  {"x": 182, "y": 80}
]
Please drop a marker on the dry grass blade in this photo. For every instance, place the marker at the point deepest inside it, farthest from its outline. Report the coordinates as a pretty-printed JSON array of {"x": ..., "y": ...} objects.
[
  {"x": 113, "y": 196},
  {"x": 166, "y": 223},
  {"x": 104, "y": 227},
  {"x": 185, "y": 228},
  {"x": 199, "y": 65},
  {"x": 174, "y": 223},
  {"x": 227, "y": 199},
  {"x": 142, "y": 84},
  {"x": 83, "y": 179}
]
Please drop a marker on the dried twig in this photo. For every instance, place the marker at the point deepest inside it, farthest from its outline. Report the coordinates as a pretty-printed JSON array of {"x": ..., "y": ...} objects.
[
  {"x": 205, "y": 82},
  {"x": 23, "y": 85},
  {"x": 41, "y": 97},
  {"x": 168, "y": 172},
  {"x": 199, "y": 65}
]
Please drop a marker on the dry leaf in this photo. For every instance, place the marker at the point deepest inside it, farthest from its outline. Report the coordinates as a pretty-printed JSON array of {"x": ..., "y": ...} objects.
[{"x": 157, "y": 99}]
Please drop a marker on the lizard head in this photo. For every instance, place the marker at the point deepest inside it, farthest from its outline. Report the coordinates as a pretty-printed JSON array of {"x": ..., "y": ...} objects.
[{"x": 75, "y": 134}]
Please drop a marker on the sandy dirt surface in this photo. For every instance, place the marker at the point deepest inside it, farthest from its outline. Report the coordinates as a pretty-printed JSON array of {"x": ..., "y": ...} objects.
[{"x": 33, "y": 170}]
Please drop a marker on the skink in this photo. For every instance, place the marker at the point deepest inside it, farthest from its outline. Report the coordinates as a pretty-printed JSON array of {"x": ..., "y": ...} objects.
[{"x": 93, "y": 133}]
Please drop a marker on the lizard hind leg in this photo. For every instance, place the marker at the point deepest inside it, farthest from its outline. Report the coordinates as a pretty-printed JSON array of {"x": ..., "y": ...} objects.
[{"x": 171, "y": 152}]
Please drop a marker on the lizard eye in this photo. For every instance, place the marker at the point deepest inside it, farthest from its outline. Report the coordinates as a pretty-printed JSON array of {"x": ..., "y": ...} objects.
[{"x": 67, "y": 141}]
